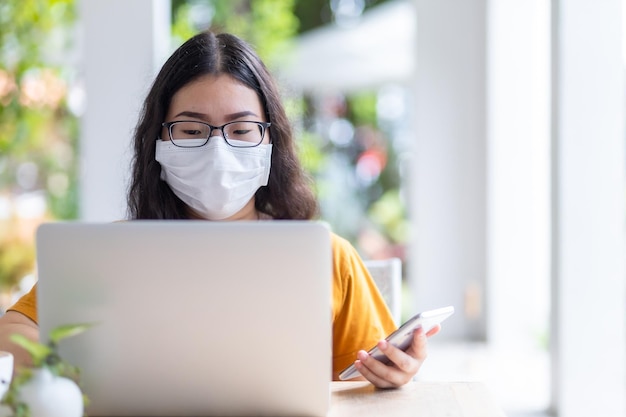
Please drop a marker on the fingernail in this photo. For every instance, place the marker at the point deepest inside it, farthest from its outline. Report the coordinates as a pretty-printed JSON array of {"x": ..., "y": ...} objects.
[
  {"x": 383, "y": 344},
  {"x": 362, "y": 355}
]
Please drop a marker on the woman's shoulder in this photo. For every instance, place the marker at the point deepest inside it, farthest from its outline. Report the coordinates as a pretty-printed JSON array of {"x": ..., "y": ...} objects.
[
  {"x": 339, "y": 243},
  {"x": 345, "y": 256}
]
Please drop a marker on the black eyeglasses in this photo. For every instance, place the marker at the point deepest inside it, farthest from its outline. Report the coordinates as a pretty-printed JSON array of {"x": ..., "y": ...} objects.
[{"x": 243, "y": 134}]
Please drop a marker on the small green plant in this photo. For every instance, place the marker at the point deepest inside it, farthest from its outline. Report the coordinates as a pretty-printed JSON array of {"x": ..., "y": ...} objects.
[{"x": 44, "y": 355}]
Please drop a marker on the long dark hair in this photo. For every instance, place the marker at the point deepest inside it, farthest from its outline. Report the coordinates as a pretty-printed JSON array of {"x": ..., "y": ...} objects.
[{"x": 288, "y": 194}]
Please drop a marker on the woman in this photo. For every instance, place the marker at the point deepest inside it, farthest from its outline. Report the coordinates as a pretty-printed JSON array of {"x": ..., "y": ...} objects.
[{"x": 214, "y": 143}]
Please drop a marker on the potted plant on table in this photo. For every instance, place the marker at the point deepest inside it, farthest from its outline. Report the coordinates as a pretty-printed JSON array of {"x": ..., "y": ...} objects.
[{"x": 49, "y": 387}]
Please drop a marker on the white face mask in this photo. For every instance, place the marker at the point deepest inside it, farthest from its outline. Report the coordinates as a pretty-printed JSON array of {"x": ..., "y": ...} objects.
[{"x": 216, "y": 180}]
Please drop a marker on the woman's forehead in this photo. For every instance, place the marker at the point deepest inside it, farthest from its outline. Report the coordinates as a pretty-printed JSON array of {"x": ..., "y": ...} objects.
[{"x": 214, "y": 94}]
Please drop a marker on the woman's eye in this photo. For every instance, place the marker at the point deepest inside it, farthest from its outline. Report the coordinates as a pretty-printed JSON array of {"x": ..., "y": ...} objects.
[
  {"x": 241, "y": 132},
  {"x": 192, "y": 132}
]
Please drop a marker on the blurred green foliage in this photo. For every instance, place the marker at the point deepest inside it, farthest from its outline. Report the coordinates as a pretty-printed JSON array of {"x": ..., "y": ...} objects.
[
  {"x": 38, "y": 133},
  {"x": 362, "y": 107},
  {"x": 16, "y": 261},
  {"x": 266, "y": 24},
  {"x": 315, "y": 13}
]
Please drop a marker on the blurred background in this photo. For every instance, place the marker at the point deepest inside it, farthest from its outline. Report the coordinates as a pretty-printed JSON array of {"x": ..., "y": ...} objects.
[{"x": 481, "y": 142}]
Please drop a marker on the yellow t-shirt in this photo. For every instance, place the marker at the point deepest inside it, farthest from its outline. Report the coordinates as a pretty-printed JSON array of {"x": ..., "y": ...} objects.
[
  {"x": 27, "y": 304},
  {"x": 360, "y": 316}
]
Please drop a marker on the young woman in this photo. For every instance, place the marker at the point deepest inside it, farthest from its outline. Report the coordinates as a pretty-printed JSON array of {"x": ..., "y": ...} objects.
[{"x": 214, "y": 143}]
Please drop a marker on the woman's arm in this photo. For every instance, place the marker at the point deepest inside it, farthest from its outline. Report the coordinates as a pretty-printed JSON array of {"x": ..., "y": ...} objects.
[{"x": 13, "y": 322}]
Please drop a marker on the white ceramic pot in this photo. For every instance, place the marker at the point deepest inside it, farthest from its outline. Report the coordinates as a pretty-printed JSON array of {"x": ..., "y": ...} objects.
[
  {"x": 6, "y": 373},
  {"x": 51, "y": 396}
]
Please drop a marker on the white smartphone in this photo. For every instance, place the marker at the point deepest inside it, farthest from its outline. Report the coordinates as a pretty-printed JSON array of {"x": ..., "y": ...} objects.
[{"x": 402, "y": 337}]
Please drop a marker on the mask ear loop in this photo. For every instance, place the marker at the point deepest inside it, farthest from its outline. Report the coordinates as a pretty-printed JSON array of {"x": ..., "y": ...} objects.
[
  {"x": 267, "y": 130},
  {"x": 267, "y": 117}
]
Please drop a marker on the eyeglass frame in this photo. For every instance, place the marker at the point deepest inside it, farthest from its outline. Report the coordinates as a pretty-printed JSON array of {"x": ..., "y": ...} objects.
[{"x": 263, "y": 125}]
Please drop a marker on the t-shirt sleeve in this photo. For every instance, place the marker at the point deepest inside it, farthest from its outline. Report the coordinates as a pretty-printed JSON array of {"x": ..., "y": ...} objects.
[
  {"x": 27, "y": 304},
  {"x": 360, "y": 315}
]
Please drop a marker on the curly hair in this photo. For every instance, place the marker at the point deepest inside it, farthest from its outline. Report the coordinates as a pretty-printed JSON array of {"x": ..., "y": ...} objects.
[{"x": 288, "y": 194}]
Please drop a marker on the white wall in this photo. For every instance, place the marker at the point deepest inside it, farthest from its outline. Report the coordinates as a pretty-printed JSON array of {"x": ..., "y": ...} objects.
[
  {"x": 448, "y": 171},
  {"x": 123, "y": 42},
  {"x": 518, "y": 173},
  {"x": 479, "y": 194},
  {"x": 589, "y": 309}
]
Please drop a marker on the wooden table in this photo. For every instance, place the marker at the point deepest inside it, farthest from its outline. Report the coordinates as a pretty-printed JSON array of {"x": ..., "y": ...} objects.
[{"x": 416, "y": 399}]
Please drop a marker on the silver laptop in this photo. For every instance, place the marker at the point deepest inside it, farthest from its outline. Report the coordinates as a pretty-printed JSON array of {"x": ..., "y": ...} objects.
[{"x": 193, "y": 318}]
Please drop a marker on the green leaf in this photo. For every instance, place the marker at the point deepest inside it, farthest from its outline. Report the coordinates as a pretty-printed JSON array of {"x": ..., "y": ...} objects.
[
  {"x": 37, "y": 350},
  {"x": 68, "y": 330}
]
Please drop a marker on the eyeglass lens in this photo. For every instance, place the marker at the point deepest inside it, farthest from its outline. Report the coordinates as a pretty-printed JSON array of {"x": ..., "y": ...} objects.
[{"x": 240, "y": 134}]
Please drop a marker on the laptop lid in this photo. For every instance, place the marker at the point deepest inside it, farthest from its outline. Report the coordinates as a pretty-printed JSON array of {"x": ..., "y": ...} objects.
[{"x": 192, "y": 317}]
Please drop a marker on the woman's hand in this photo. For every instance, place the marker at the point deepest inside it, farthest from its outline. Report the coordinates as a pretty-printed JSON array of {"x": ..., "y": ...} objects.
[{"x": 403, "y": 366}]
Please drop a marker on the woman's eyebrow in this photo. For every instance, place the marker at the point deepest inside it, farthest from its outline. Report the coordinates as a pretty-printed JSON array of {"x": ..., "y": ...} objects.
[
  {"x": 231, "y": 116},
  {"x": 193, "y": 114},
  {"x": 240, "y": 114}
]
